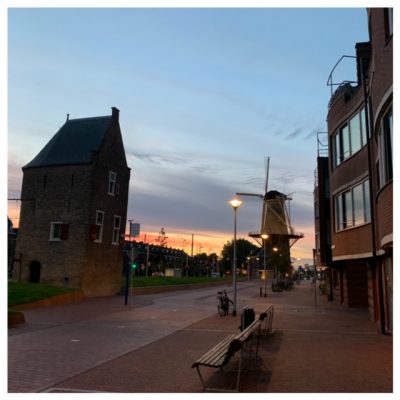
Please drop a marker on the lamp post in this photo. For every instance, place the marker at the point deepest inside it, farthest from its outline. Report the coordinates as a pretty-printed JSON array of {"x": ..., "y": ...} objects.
[
  {"x": 264, "y": 237},
  {"x": 275, "y": 249},
  {"x": 235, "y": 203}
]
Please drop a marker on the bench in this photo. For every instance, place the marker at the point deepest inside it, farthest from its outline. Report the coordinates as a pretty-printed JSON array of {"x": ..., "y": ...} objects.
[
  {"x": 266, "y": 318},
  {"x": 222, "y": 353}
]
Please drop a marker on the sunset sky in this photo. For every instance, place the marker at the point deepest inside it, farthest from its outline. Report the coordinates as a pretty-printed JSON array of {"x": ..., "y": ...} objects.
[{"x": 205, "y": 94}]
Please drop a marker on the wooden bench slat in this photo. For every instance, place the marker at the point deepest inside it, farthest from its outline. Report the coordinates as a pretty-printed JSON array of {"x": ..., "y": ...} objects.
[
  {"x": 223, "y": 351},
  {"x": 218, "y": 351},
  {"x": 219, "y": 354}
]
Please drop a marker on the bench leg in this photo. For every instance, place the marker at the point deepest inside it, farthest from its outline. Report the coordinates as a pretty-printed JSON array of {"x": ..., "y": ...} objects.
[
  {"x": 239, "y": 370},
  {"x": 201, "y": 378}
]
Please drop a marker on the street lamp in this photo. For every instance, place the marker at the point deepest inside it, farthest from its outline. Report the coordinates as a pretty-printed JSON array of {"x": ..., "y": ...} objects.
[
  {"x": 275, "y": 249},
  {"x": 264, "y": 237},
  {"x": 235, "y": 204}
]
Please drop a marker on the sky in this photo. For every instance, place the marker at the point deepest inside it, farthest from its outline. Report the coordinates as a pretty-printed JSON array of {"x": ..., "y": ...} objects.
[{"x": 205, "y": 95}]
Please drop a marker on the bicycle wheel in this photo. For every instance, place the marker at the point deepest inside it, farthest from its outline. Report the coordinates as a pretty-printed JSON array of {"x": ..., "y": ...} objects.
[{"x": 221, "y": 310}]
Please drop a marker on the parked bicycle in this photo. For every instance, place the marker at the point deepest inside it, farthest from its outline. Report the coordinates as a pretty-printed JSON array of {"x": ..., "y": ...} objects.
[{"x": 224, "y": 303}]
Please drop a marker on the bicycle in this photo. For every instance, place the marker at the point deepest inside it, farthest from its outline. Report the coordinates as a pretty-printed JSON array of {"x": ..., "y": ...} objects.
[{"x": 223, "y": 303}]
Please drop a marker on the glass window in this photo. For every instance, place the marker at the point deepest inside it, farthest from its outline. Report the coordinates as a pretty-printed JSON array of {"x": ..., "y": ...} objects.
[
  {"x": 350, "y": 138},
  {"x": 358, "y": 205},
  {"x": 355, "y": 133},
  {"x": 346, "y": 152},
  {"x": 363, "y": 128},
  {"x": 348, "y": 209},
  {"x": 55, "y": 231},
  {"x": 99, "y": 226},
  {"x": 352, "y": 207},
  {"x": 367, "y": 204},
  {"x": 339, "y": 213},
  {"x": 112, "y": 179},
  {"x": 116, "y": 229},
  {"x": 385, "y": 148},
  {"x": 337, "y": 149}
]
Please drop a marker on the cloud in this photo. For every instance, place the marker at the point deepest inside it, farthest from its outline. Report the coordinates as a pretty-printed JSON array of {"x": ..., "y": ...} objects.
[
  {"x": 159, "y": 159},
  {"x": 195, "y": 201},
  {"x": 294, "y": 134}
]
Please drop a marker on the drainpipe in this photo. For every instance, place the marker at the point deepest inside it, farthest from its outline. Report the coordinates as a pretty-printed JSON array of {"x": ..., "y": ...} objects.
[{"x": 374, "y": 263}]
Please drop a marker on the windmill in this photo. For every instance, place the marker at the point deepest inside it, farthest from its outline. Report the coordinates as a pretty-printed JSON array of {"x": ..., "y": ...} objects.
[{"x": 275, "y": 218}]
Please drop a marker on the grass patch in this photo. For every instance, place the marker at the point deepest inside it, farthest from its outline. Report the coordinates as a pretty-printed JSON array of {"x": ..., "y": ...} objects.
[
  {"x": 25, "y": 292},
  {"x": 141, "y": 281}
]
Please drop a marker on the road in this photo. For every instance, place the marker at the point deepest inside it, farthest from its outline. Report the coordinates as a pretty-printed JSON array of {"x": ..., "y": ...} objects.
[
  {"x": 61, "y": 341},
  {"x": 100, "y": 345}
]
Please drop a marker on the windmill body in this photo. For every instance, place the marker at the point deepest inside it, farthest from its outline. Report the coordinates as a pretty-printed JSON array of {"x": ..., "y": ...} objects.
[{"x": 275, "y": 223}]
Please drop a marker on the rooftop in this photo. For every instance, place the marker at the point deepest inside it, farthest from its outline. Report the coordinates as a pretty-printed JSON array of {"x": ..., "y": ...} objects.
[{"x": 74, "y": 143}]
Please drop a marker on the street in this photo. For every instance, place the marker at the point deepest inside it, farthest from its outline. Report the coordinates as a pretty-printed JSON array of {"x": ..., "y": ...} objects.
[{"x": 102, "y": 345}]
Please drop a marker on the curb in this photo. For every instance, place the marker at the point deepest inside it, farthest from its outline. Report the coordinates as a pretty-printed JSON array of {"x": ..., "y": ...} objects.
[
  {"x": 171, "y": 288},
  {"x": 15, "y": 318},
  {"x": 65, "y": 298}
]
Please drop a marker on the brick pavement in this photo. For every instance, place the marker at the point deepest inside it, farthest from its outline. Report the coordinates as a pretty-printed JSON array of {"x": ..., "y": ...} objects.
[{"x": 323, "y": 349}]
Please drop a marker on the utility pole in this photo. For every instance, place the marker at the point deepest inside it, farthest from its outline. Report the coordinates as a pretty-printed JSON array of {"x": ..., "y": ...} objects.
[{"x": 191, "y": 253}]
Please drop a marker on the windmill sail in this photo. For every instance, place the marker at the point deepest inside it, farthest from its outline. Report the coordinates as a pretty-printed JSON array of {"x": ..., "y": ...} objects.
[{"x": 275, "y": 219}]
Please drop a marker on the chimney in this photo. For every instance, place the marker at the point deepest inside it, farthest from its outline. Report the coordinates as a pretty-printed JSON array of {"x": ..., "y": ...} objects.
[
  {"x": 67, "y": 117},
  {"x": 363, "y": 53},
  {"x": 115, "y": 113}
]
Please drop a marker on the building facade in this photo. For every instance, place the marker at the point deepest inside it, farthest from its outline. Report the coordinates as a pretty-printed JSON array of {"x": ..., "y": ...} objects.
[
  {"x": 361, "y": 178},
  {"x": 73, "y": 208}
]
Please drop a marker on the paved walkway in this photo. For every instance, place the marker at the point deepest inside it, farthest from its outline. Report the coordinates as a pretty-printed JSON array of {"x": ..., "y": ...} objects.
[{"x": 101, "y": 346}]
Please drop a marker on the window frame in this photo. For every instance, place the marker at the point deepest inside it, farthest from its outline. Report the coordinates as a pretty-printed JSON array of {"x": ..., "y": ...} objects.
[
  {"x": 344, "y": 135},
  {"x": 112, "y": 183},
  {"x": 385, "y": 147},
  {"x": 116, "y": 230},
  {"x": 52, "y": 237},
  {"x": 345, "y": 210},
  {"x": 99, "y": 227}
]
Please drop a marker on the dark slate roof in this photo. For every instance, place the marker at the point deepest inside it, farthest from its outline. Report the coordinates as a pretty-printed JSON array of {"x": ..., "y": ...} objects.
[{"x": 73, "y": 143}]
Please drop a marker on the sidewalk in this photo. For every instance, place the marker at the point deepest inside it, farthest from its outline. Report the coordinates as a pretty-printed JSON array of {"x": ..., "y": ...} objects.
[{"x": 321, "y": 349}]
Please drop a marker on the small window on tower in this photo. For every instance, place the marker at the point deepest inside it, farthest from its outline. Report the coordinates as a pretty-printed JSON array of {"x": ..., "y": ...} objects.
[{"x": 112, "y": 182}]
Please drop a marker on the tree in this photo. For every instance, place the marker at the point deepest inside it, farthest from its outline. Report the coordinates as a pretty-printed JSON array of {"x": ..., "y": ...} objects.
[
  {"x": 281, "y": 262},
  {"x": 243, "y": 249}
]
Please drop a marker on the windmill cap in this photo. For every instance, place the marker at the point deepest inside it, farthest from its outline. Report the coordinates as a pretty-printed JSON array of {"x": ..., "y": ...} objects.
[{"x": 274, "y": 194}]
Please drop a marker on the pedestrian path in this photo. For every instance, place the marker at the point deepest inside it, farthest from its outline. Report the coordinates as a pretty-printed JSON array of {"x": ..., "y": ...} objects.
[{"x": 321, "y": 348}]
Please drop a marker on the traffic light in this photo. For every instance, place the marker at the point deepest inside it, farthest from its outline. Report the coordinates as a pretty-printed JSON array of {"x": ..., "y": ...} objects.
[{"x": 134, "y": 265}]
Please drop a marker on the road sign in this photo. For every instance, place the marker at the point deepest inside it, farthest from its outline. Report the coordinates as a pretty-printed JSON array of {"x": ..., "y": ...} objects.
[{"x": 134, "y": 229}]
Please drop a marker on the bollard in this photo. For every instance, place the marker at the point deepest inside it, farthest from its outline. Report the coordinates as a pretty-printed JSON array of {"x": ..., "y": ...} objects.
[{"x": 260, "y": 291}]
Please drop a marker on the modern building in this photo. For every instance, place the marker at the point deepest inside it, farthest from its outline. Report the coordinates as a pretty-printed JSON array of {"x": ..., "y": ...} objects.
[
  {"x": 360, "y": 174},
  {"x": 73, "y": 208},
  {"x": 323, "y": 251}
]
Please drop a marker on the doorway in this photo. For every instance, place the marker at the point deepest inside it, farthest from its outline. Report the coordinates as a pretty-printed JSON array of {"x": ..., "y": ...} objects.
[{"x": 34, "y": 272}]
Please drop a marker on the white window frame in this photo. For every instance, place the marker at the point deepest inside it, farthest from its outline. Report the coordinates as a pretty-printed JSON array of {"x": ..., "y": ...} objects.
[
  {"x": 112, "y": 182},
  {"x": 116, "y": 229},
  {"x": 385, "y": 142},
  {"x": 345, "y": 210},
  {"x": 53, "y": 237},
  {"x": 344, "y": 135},
  {"x": 100, "y": 224}
]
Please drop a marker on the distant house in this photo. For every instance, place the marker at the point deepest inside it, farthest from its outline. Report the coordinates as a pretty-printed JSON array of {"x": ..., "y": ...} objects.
[{"x": 73, "y": 208}]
